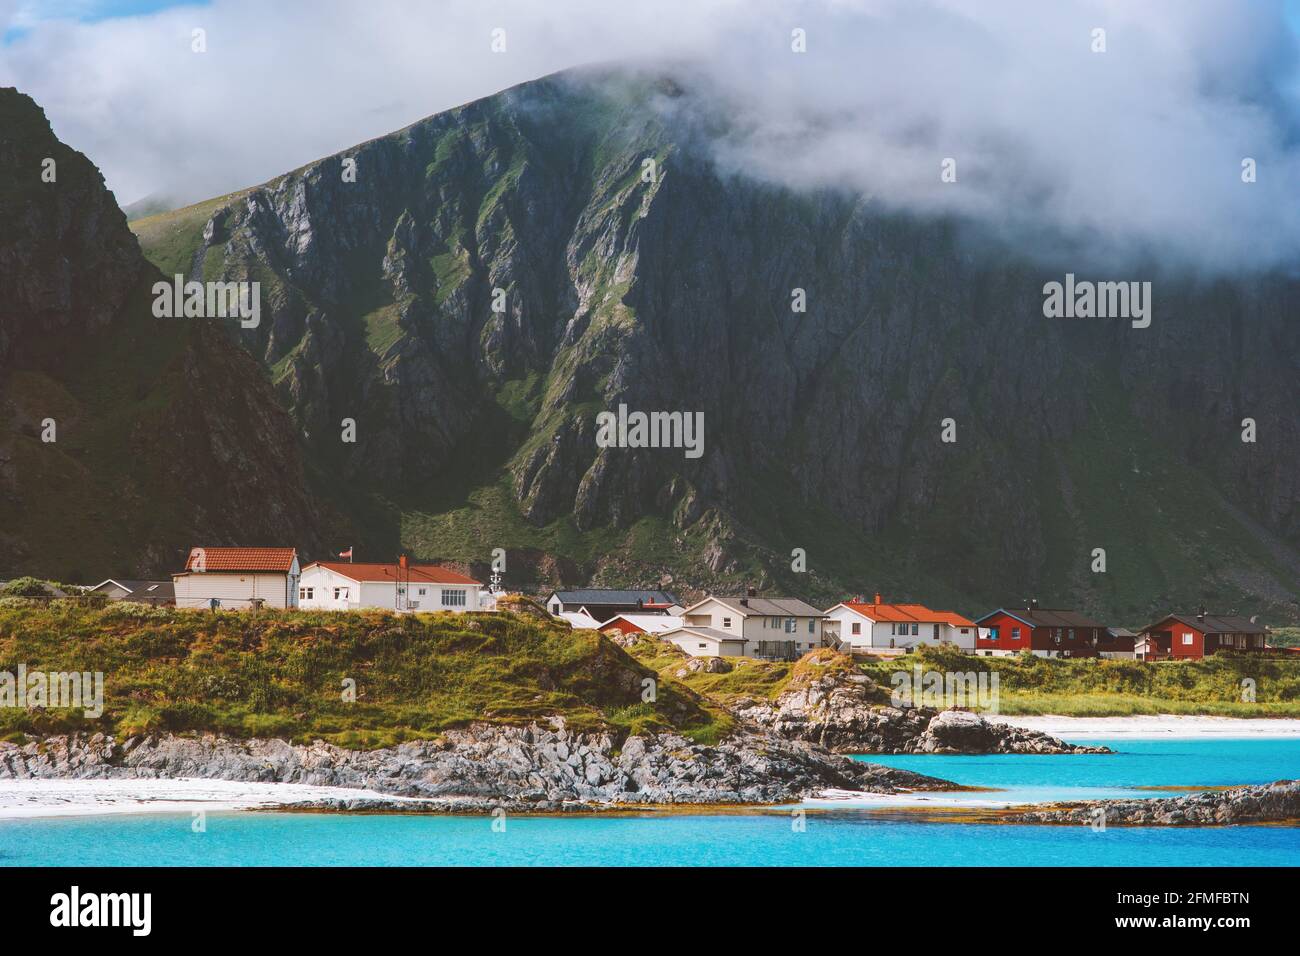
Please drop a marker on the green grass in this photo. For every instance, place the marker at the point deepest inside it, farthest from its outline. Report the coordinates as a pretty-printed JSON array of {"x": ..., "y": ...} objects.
[
  {"x": 1100, "y": 688},
  {"x": 282, "y": 674}
]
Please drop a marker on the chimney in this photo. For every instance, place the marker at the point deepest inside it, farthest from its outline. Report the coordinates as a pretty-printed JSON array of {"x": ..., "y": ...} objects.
[
  {"x": 877, "y": 597},
  {"x": 744, "y": 602},
  {"x": 1033, "y": 604},
  {"x": 1200, "y": 615},
  {"x": 401, "y": 562},
  {"x": 751, "y": 592}
]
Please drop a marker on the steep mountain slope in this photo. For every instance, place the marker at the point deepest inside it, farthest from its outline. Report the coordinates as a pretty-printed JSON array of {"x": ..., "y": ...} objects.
[
  {"x": 165, "y": 432},
  {"x": 475, "y": 429}
]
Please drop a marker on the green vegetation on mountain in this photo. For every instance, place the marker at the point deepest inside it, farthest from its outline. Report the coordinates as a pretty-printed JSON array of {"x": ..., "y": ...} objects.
[
  {"x": 284, "y": 673},
  {"x": 500, "y": 273}
]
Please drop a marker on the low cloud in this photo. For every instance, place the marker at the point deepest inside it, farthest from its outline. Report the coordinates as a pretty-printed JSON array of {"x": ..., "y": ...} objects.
[{"x": 1136, "y": 151}]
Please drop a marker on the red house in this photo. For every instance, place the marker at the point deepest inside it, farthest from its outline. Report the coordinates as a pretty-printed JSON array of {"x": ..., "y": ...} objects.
[
  {"x": 1046, "y": 632},
  {"x": 1193, "y": 636}
]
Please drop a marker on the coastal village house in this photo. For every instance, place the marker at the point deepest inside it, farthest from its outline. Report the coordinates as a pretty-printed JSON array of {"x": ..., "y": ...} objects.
[
  {"x": 141, "y": 592},
  {"x": 655, "y": 624},
  {"x": 1045, "y": 632},
  {"x": 1194, "y": 636},
  {"x": 403, "y": 586},
  {"x": 604, "y": 603},
  {"x": 779, "y": 628},
  {"x": 881, "y": 627},
  {"x": 238, "y": 578}
]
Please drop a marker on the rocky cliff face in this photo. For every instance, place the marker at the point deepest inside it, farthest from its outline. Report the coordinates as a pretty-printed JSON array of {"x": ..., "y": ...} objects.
[
  {"x": 164, "y": 432},
  {"x": 495, "y": 276}
]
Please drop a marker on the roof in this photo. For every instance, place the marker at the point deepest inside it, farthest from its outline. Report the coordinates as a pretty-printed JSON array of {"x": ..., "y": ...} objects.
[
  {"x": 711, "y": 633},
  {"x": 650, "y": 623},
  {"x": 766, "y": 607},
  {"x": 892, "y": 613},
  {"x": 1214, "y": 624},
  {"x": 1045, "y": 617},
  {"x": 155, "y": 589},
  {"x": 1120, "y": 632},
  {"x": 580, "y": 621},
  {"x": 616, "y": 596},
  {"x": 241, "y": 559},
  {"x": 373, "y": 571}
]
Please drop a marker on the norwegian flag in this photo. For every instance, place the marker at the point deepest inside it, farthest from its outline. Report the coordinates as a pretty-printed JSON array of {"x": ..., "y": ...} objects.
[{"x": 346, "y": 554}]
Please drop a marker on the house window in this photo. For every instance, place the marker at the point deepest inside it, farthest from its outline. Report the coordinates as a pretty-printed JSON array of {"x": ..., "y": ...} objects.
[
  {"x": 812, "y": 626},
  {"x": 726, "y": 622},
  {"x": 704, "y": 647},
  {"x": 916, "y": 628},
  {"x": 857, "y": 628},
  {"x": 340, "y": 594},
  {"x": 965, "y": 630},
  {"x": 422, "y": 592},
  {"x": 453, "y": 597},
  {"x": 555, "y": 608},
  {"x": 1071, "y": 634},
  {"x": 1015, "y": 633},
  {"x": 1187, "y": 637},
  {"x": 306, "y": 594},
  {"x": 789, "y": 625}
]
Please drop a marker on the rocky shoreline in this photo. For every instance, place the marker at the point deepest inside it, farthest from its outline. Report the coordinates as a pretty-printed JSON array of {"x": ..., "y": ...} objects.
[
  {"x": 537, "y": 768},
  {"x": 1263, "y": 803},
  {"x": 835, "y": 709}
]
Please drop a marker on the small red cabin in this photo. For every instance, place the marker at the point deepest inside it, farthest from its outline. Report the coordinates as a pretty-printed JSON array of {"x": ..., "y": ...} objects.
[
  {"x": 1047, "y": 632},
  {"x": 1194, "y": 636}
]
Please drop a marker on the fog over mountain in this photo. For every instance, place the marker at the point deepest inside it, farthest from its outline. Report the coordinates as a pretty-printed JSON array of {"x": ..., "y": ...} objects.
[{"x": 1135, "y": 152}]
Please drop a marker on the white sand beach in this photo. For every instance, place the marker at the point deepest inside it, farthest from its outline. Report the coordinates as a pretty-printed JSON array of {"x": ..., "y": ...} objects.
[
  {"x": 1156, "y": 726},
  {"x": 61, "y": 798}
]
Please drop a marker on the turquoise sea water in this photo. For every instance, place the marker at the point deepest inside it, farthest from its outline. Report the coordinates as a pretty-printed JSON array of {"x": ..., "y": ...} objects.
[{"x": 848, "y": 836}]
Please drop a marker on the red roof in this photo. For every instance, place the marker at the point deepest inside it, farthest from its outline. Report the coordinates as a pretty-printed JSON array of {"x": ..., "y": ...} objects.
[
  {"x": 908, "y": 612},
  {"x": 241, "y": 559},
  {"x": 361, "y": 571}
]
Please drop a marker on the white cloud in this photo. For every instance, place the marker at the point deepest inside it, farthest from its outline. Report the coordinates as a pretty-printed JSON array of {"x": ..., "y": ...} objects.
[{"x": 1139, "y": 146}]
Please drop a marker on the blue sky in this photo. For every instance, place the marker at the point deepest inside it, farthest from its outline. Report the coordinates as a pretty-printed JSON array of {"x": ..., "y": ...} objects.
[{"x": 87, "y": 11}]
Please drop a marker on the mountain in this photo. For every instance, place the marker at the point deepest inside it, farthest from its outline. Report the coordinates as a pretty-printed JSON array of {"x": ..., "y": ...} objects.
[
  {"x": 476, "y": 429},
  {"x": 165, "y": 433}
]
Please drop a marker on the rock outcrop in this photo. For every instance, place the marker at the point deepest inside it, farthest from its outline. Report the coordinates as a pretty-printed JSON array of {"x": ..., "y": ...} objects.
[
  {"x": 1267, "y": 803},
  {"x": 836, "y": 706},
  {"x": 536, "y": 768}
]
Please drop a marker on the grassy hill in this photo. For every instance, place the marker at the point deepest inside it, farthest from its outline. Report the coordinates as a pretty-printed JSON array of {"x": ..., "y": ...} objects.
[
  {"x": 1080, "y": 688},
  {"x": 282, "y": 674}
]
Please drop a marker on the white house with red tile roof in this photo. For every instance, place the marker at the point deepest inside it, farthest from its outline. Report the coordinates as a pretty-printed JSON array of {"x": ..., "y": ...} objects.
[
  {"x": 346, "y": 586},
  {"x": 238, "y": 578},
  {"x": 881, "y": 626}
]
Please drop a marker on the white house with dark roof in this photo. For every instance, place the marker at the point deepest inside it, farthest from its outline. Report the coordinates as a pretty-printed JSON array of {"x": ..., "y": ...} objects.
[
  {"x": 604, "y": 603},
  {"x": 782, "y": 628},
  {"x": 141, "y": 592},
  {"x": 345, "y": 586}
]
